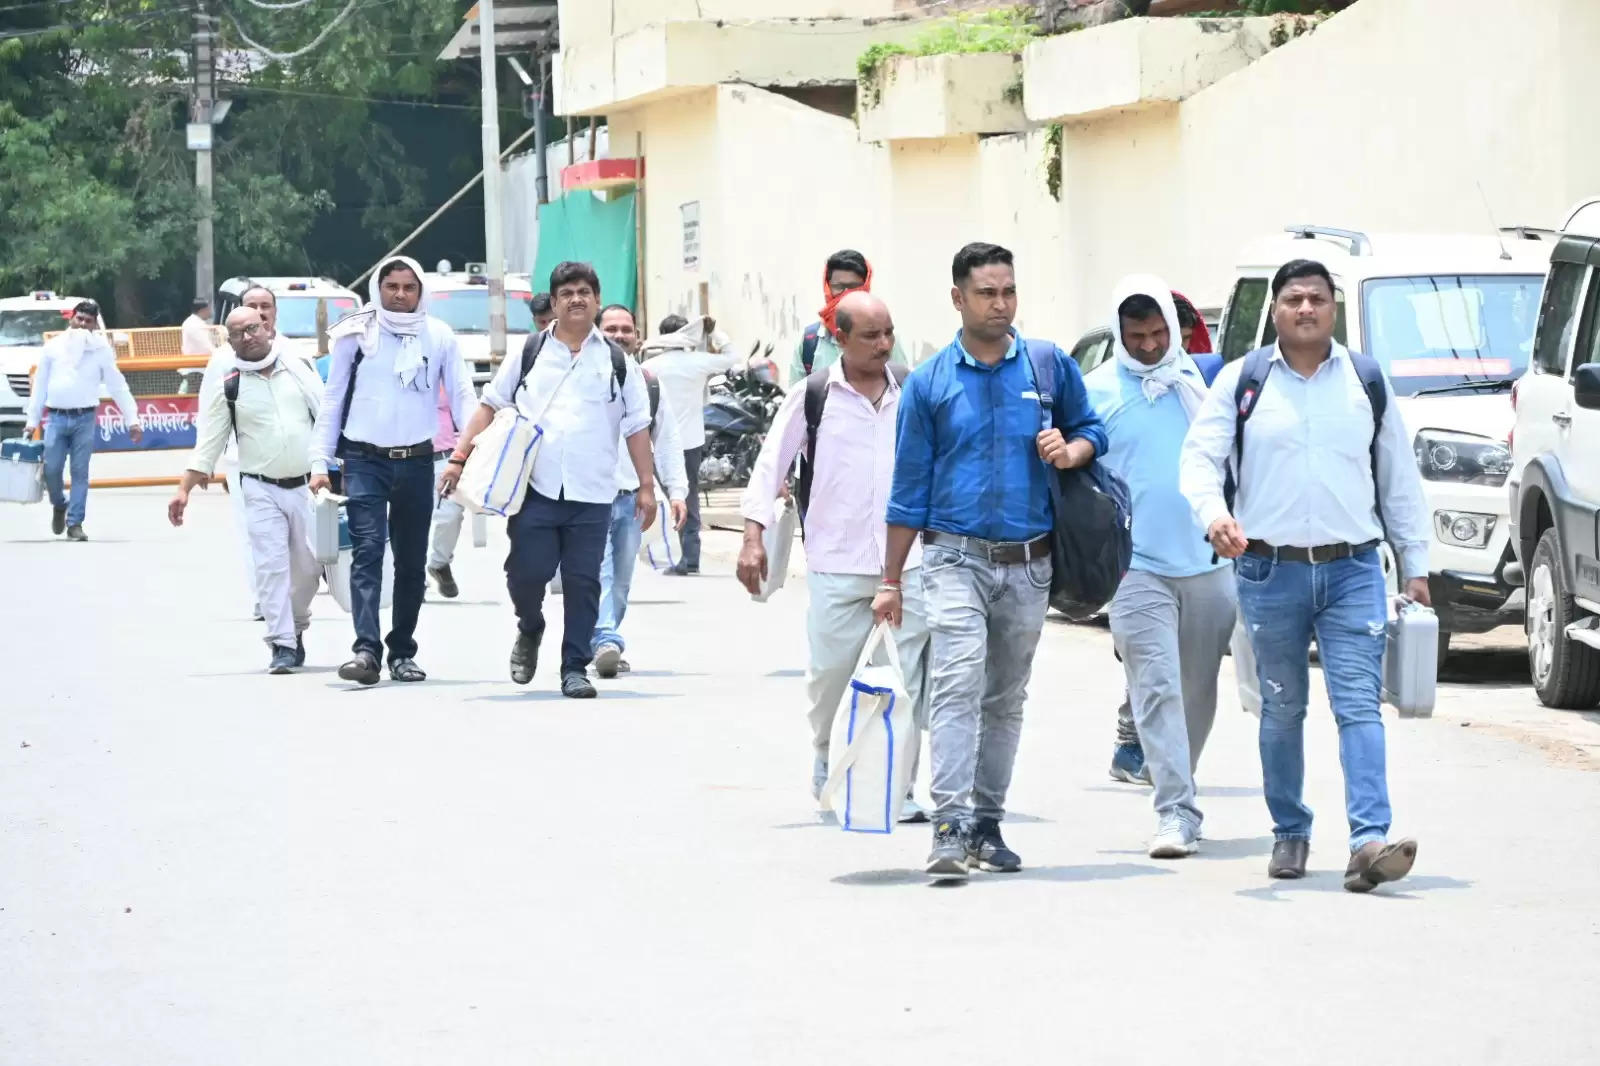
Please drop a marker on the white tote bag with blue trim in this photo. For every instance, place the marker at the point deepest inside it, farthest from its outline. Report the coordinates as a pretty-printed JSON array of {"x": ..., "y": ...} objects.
[
  {"x": 496, "y": 475},
  {"x": 872, "y": 751}
]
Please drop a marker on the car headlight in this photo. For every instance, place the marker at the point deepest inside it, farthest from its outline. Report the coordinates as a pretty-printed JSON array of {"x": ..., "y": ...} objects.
[{"x": 1464, "y": 458}]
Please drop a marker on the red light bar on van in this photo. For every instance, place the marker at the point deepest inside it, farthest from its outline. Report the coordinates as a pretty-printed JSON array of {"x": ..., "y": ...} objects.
[{"x": 298, "y": 286}]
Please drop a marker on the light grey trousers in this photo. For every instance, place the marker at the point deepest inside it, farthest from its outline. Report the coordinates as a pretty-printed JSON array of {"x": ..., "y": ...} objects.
[
  {"x": 1171, "y": 633},
  {"x": 984, "y": 622}
]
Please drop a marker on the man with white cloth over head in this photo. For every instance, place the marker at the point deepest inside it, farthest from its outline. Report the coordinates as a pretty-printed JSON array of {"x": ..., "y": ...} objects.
[
  {"x": 1173, "y": 614},
  {"x": 378, "y": 418}
]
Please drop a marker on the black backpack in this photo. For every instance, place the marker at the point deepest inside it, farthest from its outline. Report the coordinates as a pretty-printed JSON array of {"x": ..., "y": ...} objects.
[
  {"x": 1091, "y": 535},
  {"x": 808, "y": 345},
  {"x": 816, "y": 400},
  {"x": 619, "y": 371}
]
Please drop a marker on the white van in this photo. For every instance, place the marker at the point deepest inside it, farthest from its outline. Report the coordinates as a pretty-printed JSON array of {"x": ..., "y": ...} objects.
[
  {"x": 460, "y": 298},
  {"x": 297, "y": 298},
  {"x": 1451, "y": 321},
  {"x": 24, "y": 320}
]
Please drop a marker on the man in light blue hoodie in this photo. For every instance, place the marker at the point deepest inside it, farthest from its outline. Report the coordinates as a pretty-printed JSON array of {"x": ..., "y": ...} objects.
[{"x": 1174, "y": 612}]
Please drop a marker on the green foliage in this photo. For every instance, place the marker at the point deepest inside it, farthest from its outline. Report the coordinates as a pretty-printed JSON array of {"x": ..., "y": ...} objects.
[
  {"x": 1052, "y": 159},
  {"x": 1006, "y": 29}
]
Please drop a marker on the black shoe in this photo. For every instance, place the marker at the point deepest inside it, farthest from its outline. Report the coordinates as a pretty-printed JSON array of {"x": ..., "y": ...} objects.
[
  {"x": 446, "y": 581},
  {"x": 524, "y": 658},
  {"x": 948, "y": 859},
  {"x": 1289, "y": 859},
  {"x": 987, "y": 850},
  {"x": 681, "y": 571},
  {"x": 75, "y": 532},
  {"x": 282, "y": 661},
  {"x": 299, "y": 650},
  {"x": 363, "y": 669},
  {"x": 577, "y": 687},
  {"x": 58, "y": 520},
  {"x": 407, "y": 670},
  {"x": 608, "y": 661}
]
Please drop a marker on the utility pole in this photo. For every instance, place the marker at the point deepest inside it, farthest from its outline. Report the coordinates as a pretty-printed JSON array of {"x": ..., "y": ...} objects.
[
  {"x": 201, "y": 119},
  {"x": 493, "y": 237}
]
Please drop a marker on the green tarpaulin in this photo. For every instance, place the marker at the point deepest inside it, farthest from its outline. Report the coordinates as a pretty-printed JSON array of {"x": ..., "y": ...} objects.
[{"x": 583, "y": 227}]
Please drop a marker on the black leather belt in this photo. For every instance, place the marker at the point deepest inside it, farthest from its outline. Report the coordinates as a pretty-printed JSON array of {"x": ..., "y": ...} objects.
[
  {"x": 999, "y": 552},
  {"x": 1322, "y": 553},
  {"x": 372, "y": 451},
  {"x": 69, "y": 410},
  {"x": 281, "y": 482},
  {"x": 447, "y": 453}
]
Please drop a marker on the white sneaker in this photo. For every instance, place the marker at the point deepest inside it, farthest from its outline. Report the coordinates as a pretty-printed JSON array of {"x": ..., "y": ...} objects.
[
  {"x": 1175, "y": 839},
  {"x": 912, "y": 812}
]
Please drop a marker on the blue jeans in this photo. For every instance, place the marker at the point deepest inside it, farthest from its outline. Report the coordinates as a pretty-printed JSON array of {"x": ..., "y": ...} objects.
[
  {"x": 1342, "y": 602},
  {"x": 549, "y": 534},
  {"x": 616, "y": 570},
  {"x": 390, "y": 500},
  {"x": 65, "y": 434}
]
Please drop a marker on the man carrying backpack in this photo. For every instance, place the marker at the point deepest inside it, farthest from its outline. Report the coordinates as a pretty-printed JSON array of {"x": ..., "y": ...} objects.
[
  {"x": 842, "y": 420},
  {"x": 1174, "y": 611},
  {"x": 1324, "y": 472},
  {"x": 846, "y": 271}
]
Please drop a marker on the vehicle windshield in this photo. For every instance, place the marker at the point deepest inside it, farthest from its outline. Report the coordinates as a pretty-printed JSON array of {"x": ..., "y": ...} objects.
[
  {"x": 26, "y": 329},
  {"x": 1433, "y": 332},
  {"x": 297, "y": 315},
  {"x": 467, "y": 310}
]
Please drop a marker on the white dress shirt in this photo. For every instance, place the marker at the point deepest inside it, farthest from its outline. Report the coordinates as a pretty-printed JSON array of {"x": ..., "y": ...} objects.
[
  {"x": 71, "y": 371},
  {"x": 197, "y": 337},
  {"x": 683, "y": 376},
  {"x": 1307, "y": 477},
  {"x": 382, "y": 413},
  {"x": 275, "y": 415},
  {"x": 845, "y": 528},
  {"x": 666, "y": 450},
  {"x": 585, "y": 415}
]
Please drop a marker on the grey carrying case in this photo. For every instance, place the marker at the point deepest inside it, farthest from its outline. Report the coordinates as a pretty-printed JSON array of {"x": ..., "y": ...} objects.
[{"x": 1411, "y": 661}]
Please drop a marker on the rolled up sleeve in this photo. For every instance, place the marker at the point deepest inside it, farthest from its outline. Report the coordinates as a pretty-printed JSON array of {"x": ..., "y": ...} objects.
[{"x": 911, "y": 492}]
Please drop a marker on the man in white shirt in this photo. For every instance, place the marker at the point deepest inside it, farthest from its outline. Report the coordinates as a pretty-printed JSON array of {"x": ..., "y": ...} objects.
[
  {"x": 624, "y": 535},
  {"x": 585, "y": 395},
  {"x": 1325, "y": 473},
  {"x": 683, "y": 371},
  {"x": 197, "y": 337},
  {"x": 378, "y": 418},
  {"x": 268, "y": 403},
  {"x": 848, "y": 494},
  {"x": 72, "y": 369}
]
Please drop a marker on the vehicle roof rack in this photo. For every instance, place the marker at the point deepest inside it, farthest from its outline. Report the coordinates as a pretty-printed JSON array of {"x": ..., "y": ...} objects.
[
  {"x": 1531, "y": 233},
  {"x": 1360, "y": 243}
]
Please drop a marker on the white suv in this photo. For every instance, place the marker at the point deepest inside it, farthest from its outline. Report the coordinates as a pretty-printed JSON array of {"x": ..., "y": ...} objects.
[
  {"x": 24, "y": 320},
  {"x": 1450, "y": 319},
  {"x": 461, "y": 299},
  {"x": 297, "y": 299},
  {"x": 1555, "y": 489}
]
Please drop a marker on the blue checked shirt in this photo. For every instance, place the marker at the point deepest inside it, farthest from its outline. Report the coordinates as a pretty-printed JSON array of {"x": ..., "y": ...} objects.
[{"x": 966, "y": 457}]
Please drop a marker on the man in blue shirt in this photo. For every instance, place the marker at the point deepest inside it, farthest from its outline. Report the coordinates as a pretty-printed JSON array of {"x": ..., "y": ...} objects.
[
  {"x": 1174, "y": 612},
  {"x": 968, "y": 477}
]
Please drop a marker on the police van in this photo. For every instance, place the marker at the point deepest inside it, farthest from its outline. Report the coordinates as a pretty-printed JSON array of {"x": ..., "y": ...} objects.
[
  {"x": 298, "y": 298},
  {"x": 460, "y": 299}
]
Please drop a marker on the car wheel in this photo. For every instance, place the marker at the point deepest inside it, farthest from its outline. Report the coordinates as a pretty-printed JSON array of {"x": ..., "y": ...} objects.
[{"x": 1566, "y": 674}]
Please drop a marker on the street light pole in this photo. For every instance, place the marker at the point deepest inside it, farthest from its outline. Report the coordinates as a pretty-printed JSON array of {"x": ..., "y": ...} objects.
[
  {"x": 205, "y": 95},
  {"x": 493, "y": 236}
]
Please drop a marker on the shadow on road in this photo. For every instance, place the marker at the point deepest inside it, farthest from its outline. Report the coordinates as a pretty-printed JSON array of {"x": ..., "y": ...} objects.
[
  {"x": 1115, "y": 871},
  {"x": 1333, "y": 881},
  {"x": 553, "y": 695}
]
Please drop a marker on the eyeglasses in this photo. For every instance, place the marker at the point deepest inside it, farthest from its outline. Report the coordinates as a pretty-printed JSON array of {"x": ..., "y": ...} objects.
[{"x": 248, "y": 331}]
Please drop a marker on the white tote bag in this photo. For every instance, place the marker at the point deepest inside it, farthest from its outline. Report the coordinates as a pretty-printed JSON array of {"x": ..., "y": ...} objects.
[
  {"x": 871, "y": 751},
  {"x": 660, "y": 547},
  {"x": 496, "y": 475},
  {"x": 778, "y": 541}
]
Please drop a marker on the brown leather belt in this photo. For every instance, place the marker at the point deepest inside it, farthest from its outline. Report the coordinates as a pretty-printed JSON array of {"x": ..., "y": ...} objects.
[
  {"x": 1322, "y": 553},
  {"x": 999, "y": 552}
]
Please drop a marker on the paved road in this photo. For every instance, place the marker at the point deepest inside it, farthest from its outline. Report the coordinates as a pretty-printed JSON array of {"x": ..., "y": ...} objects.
[{"x": 202, "y": 864}]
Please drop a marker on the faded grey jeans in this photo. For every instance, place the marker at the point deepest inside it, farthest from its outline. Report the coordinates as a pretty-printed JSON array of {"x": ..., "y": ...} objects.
[
  {"x": 1171, "y": 633},
  {"x": 984, "y": 622}
]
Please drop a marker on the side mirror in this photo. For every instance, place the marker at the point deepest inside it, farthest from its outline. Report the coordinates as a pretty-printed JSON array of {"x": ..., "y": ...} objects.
[{"x": 1586, "y": 386}]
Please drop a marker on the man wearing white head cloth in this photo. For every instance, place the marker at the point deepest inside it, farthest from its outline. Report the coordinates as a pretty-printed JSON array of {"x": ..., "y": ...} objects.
[
  {"x": 379, "y": 415},
  {"x": 1173, "y": 614}
]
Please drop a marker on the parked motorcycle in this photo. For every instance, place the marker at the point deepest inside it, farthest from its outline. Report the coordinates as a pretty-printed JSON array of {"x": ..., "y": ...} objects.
[{"x": 739, "y": 410}]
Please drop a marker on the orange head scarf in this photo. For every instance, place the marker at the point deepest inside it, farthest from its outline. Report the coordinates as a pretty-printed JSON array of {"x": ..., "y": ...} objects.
[
  {"x": 1200, "y": 343},
  {"x": 832, "y": 305}
]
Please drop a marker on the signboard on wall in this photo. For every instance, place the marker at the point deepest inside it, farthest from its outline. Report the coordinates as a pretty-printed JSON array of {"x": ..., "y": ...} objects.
[
  {"x": 691, "y": 235},
  {"x": 169, "y": 422}
]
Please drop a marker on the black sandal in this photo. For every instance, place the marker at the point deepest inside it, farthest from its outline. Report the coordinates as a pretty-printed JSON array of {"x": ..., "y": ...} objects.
[{"x": 406, "y": 670}]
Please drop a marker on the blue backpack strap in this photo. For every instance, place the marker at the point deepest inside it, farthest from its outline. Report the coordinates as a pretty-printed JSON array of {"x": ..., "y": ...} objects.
[
  {"x": 1042, "y": 354},
  {"x": 1252, "y": 376},
  {"x": 808, "y": 345}
]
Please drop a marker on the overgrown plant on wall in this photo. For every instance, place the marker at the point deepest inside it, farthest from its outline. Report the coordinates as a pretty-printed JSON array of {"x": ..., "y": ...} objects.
[
  {"x": 1052, "y": 159},
  {"x": 1006, "y": 29}
]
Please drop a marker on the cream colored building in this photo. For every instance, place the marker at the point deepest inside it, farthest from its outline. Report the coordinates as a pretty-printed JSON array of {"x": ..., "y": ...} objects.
[{"x": 1181, "y": 140}]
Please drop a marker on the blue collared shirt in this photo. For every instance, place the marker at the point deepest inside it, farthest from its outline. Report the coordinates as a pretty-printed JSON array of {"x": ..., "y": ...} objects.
[{"x": 966, "y": 454}]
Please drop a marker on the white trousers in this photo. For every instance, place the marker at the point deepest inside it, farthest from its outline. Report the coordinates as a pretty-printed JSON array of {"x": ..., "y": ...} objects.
[
  {"x": 447, "y": 518},
  {"x": 229, "y": 468},
  {"x": 287, "y": 573}
]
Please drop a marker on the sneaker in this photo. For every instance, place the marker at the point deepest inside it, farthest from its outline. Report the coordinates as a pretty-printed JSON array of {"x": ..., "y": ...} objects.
[
  {"x": 577, "y": 687},
  {"x": 987, "y": 850},
  {"x": 681, "y": 571},
  {"x": 445, "y": 580},
  {"x": 75, "y": 532},
  {"x": 1128, "y": 765},
  {"x": 912, "y": 812},
  {"x": 948, "y": 859},
  {"x": 299, "y": 650},
  {"x": 363, "y": 669},
  {"x": 524, "y": 658},
  {"x": 607, "y": 660},
  {"x": 1175, "y": 838},
  {"x": 58, "y": 520},
  {"x": 282, "y": 661}
]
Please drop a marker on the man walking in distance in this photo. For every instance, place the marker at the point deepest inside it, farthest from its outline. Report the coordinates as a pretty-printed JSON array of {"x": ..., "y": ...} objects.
[
  {"x": 195, "y": 336},
  {"x": 624, "y": 533},
  {"x": 846, "y": 271},
  {"x": 968, "y": 477},
  {"x": 71, "y": 370},
  {"x": 543, "y": 313},
  {"x": 268, "y": 402},
  {"x": 587, "y": 394},
  {"x": 850, "y": 454},
  {"x": 378, "y": 417},
  {"x": 1325, "y": 472},
  {"x": 1173, "y": 613}
]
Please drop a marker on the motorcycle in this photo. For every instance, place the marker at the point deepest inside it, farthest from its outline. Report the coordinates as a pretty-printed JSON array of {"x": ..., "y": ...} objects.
[{"x": 739, "y": 409}]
